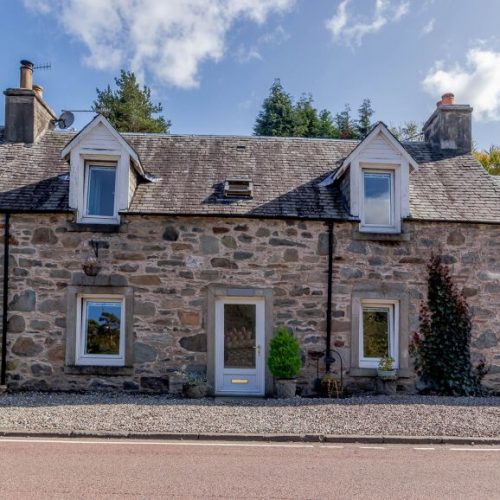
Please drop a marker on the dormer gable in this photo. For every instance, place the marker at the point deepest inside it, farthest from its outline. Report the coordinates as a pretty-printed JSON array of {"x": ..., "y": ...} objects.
[
  {"x": 375, "y": 178},
  {"x": 104, "y": 170}
]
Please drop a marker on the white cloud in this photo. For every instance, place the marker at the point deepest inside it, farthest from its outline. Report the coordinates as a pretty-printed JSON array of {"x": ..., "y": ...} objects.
[
  {"x": 476, "y": 83},
  {"x": 247, "y": 53},
  {"x": 169, "y": 39},
  {"x": 348, "y": 28},
  {"x": 428, "y": 28}
]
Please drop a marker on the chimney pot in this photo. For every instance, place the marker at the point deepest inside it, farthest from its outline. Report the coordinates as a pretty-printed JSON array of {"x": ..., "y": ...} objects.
[
  {"x": 448, "y": 99},
  {"x": 26, "y": 75},
  {"x": 38, "y": 89}
]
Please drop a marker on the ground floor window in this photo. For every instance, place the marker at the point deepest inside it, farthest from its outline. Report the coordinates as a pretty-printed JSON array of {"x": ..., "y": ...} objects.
[
  {"x": 100, "y": 335},
  {"x": 378, "y": 332}
]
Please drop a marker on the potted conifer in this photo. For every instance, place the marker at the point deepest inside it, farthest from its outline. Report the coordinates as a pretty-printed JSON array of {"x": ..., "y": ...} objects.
[{"x": 284, "y": 362}]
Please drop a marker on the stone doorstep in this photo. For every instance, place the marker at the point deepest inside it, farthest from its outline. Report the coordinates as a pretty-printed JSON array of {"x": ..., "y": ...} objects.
[{"x": 277, "y": 438}]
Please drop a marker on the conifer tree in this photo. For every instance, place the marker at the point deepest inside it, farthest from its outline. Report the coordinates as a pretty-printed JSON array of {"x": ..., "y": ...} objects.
[
  {"x": 276, "y": 117},
  {"x": 306, "y": 121},
  {"x": 345, "y": 124},
  {"x": 129, "y": 108},
  {"x": 327, "y": 128},
  {"x": 364, "y": 124},
  {"x": 441, "y": 350}
]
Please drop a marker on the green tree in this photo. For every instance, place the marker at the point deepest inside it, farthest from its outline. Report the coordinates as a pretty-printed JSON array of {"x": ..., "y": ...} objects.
[
  {"x": 345, "y": 124},
  {"x": 441, "y": 349},
  {"x": 129, "y": 108},
  {"x": 327, "y": 128},
  {"x": 364, "y": 124},
  {"x": 305, "y": 118},
  {"x": 490, "y": 159},
  {"x": 406, "y": 132},
  {"x": 276, "y": 117}
]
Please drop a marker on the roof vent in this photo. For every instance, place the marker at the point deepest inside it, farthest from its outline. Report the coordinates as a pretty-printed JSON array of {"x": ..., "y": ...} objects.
[{"x": 237, "y": 187}]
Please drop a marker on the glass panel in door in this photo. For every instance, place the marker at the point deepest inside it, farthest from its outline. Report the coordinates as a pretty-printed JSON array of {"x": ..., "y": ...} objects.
[{"x": 239, "y": 335}]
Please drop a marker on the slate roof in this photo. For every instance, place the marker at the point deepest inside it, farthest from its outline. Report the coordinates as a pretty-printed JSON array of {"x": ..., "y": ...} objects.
[{"x": 286, "y": 173}]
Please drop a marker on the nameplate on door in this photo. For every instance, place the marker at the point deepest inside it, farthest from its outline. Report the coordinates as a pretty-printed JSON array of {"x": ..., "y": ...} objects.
[{"x": 239, "y": 381}]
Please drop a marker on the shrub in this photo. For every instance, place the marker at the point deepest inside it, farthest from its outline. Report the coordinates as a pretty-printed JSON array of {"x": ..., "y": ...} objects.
[
  {"x": 284, "y": 354},
  {"x": 441, "y": 350}
]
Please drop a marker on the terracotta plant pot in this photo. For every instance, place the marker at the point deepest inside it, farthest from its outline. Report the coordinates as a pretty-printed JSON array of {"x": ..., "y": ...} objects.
[{"x": 285, "y": 388}]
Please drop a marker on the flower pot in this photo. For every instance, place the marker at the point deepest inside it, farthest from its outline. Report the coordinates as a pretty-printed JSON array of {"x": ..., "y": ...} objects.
[
  {"x": 285, "y": 388},
  {"x": 387, "y": 374},
  {"x": 196, "y": 391}
]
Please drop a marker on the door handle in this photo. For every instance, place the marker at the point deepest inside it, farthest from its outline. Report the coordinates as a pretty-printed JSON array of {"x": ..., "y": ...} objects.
[{"x": 257, "y": 349}]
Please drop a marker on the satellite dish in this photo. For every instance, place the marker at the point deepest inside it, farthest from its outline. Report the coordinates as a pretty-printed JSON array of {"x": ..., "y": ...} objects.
[{"x": 66, "y": 119}]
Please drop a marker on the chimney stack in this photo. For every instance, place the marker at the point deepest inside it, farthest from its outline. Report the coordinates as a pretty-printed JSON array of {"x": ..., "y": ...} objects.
[
  {"x": 27, "y": 115},
  {"x": 450, "y": 126}
]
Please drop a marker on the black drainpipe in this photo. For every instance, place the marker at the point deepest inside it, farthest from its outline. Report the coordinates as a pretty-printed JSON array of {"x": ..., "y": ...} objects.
[
  {"x": 328, "y": 353},
  {"x": 5, "y": 297}
]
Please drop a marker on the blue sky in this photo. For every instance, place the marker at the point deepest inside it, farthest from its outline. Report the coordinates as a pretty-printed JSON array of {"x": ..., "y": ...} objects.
[{"x": 211, "y": 62}]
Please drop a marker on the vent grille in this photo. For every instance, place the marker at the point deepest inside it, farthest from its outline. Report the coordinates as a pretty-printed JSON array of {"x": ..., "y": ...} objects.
[{"x": 238, "y": 188}]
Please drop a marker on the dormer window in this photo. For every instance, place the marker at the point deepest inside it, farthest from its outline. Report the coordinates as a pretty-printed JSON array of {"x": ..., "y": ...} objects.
[
  {"x": 104, "y": 169},
  {"x": 375, "y": 182},
  {"x": 380, "y": 192},
  {"x": 100, "y": 186},
  {"x": 378, "y": 207}
]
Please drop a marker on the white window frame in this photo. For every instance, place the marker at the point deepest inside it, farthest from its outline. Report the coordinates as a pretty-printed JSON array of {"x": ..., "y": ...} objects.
[
  {"x": 81, "y": 334},
  {"x": 99, "y": 219},
  {"x": 393, "y": 306},
  {"x": 394, "y": 170}
]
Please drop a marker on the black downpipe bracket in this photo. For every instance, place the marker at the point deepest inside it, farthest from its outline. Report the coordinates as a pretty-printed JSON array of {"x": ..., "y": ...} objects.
[
  {"x": 328, "y": 353},
  {"x": 5, "y": 312}
]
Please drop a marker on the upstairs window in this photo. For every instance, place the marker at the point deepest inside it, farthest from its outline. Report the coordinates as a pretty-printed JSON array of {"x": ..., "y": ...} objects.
[
  {"x": 99, "y": 196},
  {"x": 379, "y": 208}
]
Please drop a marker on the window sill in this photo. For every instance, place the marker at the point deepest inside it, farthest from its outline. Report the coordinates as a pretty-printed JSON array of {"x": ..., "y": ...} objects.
[
  {"x": 372, "y": 372},
  {"x": 84, "y": 227},
  {"x": 367, "y": 236},
  {"x": 108, "y": 371}
]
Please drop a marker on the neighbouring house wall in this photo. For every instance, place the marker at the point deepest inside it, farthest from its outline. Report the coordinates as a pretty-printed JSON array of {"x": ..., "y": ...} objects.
[{"x": 169, "y": 263}]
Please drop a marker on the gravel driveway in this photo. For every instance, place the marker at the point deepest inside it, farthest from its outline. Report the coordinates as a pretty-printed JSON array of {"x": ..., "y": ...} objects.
[{"x": 369, "y": 415}]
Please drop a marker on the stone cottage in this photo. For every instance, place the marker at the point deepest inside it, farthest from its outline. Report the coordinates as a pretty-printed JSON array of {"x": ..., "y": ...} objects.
[{"x": 128, "y": 257}]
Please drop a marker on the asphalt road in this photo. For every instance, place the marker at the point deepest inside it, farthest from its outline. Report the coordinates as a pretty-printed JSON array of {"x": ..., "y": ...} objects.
[{"x": 51, "y": 468}]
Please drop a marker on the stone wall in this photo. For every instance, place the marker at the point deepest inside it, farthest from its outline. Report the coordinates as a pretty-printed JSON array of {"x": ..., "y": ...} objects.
[{"x": 170, "y": 262}]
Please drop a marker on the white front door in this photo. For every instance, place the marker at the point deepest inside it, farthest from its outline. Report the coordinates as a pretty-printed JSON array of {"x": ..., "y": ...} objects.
[{"x": 240, "y": 346}]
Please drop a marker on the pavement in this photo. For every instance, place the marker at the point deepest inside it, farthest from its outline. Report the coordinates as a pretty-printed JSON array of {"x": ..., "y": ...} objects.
[{"x": 111, "y": 468}]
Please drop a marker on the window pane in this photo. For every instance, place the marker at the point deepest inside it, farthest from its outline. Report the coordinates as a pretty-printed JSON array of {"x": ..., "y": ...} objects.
[
  {"x": 103, "y": 327},
  {"x": 101, "y": 191},
  {"x": 239, "y": 335},
  {"x": 377, "y": 199},
  {"x": 375, "y": 332}
]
